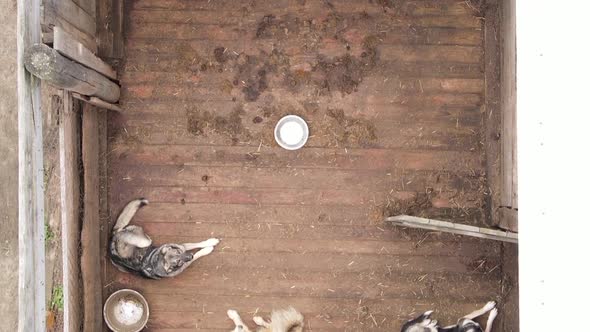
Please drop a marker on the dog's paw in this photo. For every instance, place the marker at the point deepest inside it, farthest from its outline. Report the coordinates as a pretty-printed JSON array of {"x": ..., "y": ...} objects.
[
  {"x": 232, "y": 314},
  {"x": 259, "y": 321},
  {"x": 211, "y": 242},
  {"x": 205, "y": 251},
  {"x": 490, "y": 305},
  {"x": 493, "y": 313},
  {"x": 143, "y": 202},
  {"x": 428, "y": 313}
]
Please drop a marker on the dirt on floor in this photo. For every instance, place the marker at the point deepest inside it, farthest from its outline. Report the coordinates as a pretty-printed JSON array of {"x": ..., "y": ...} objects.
[
  {"x": 393, "y": 102},
  {"x": 8, "y": 169}
]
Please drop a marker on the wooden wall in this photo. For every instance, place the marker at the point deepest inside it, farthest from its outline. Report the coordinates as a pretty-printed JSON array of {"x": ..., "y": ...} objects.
[
  {"x": 98, "y": 25},
  {"x": 77, "y": 17},
  {"x": 109, "y": 20}
]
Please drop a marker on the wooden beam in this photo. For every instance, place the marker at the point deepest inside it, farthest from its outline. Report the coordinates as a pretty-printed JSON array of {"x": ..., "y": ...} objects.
[
  {"x": 67, "y": 45},
  {"x": 69, "y": 152},
  {"x": 47, "y": 64},
  {"x": 90, "y": 236},
  {"x": 449, "y": 227},
  {"x": 97, "y": 102},
  {"x": 31, "y": 232}
]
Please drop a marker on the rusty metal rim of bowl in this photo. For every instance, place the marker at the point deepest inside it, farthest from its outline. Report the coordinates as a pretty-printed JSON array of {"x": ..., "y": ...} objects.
[{"x": 140, "y": 297}]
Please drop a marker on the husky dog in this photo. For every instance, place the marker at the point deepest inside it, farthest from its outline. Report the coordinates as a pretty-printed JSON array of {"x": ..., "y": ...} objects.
[
  {"x": 131, "y": 250},
  {"x": 287, "y": 320},
  {"x": 423, "y": 323}
]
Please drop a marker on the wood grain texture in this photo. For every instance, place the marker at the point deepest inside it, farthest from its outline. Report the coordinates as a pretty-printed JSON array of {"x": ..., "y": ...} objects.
[
  {"x": 110, "y": 29},
  {"x": 89, "y": 6},
  {"x": 72, "y": 13},
  {"x": 394, "y": 98},
  {"x": 73, "y": 17},
  {"x": 99, "y": 103},
  {"x": 90, "y": 234},
  {"x": 47, "y": 64},
  {"x": 493, "y": 108},
  {"x": 67, "y": 45},
  {"x": 454, "y": 228},
  {"x": 509, "y": 150},
  {"x": 31, "y": 218},
  {"x": 69, "y": 134}
]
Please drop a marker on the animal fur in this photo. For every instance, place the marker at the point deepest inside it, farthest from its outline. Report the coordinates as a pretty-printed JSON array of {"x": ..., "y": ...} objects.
[
  {"x": 132, "y": 251},
  {"x": 424, "y": 323},
  {"x": 286, "y": 320}
]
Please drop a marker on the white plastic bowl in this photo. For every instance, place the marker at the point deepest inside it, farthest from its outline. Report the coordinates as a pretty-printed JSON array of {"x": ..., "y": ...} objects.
[{"x": 291, "y": 132}]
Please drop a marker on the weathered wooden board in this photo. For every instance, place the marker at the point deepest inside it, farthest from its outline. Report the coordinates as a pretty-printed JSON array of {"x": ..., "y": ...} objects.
[
  {"x": 445, "y": 226},
  {"x": 103, "y": 199},
  {"x": 97, "y": 102},
  {"x": 90, "y": 235},
  {"x": 508, "y": 219},
  {"x": 72, "y": 13},
  {"x": 493, "y": 109},
  {"x": 509, "y": 195},
  {"x": 75, "y": 17},
  {"x": 110, "y": 29},
  {"x": 31, "y": 218},
  {"x": 67, "y": 45},
  {"x": 69, "y": 134},
  {"x": 89, "y": 6},
  {"x": 47, "y": 64}
]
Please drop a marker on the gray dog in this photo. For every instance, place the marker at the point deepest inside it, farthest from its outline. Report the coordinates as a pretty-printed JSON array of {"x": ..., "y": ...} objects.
[
  {"x": 132, "y": 250},
  {"x": 423, "y": 323}
]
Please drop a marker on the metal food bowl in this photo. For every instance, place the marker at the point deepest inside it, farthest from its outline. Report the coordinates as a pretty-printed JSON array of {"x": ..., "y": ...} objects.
[
  {"x": 291, "y": 132},
  {"x": 126, "y": 311}
]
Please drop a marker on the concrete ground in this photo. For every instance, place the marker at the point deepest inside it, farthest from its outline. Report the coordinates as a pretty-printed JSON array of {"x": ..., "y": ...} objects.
[{"x": 8, "y": 168}]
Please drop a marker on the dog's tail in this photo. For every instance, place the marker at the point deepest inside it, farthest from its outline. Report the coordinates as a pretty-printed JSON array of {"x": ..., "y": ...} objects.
[
  {"x": 128, "y": 213},
  {"x": 286, "y": 320}
]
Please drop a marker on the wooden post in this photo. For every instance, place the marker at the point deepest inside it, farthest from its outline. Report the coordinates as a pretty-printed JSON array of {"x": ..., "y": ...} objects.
[
  {"x": 509, "y": 194},
  {"x": 47, "y": 64},
  {"x": 90, "y": 237},
  {"x": 69, "y": 152},
  {"x": 31, "y": 232}
]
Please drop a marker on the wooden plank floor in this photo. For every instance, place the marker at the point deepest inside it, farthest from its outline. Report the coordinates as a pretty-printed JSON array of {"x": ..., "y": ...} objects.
[{"x": 393, "y": 96}]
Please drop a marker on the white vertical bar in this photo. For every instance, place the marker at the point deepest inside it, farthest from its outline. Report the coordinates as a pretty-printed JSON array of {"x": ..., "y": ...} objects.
[{"x": 553, "y": 72}]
